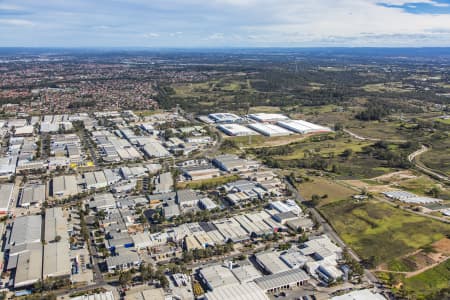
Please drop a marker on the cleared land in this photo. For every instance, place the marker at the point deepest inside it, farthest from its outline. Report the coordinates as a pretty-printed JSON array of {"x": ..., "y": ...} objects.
[
  {"x": 428, "y": 282},
  {"x": 322, "y": 186},
  {"x": 379, "y": 232}
]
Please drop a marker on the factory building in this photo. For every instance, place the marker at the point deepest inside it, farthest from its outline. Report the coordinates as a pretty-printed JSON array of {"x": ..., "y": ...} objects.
[
  {"x": 224, "y": 118},
  {"x": 64, "y": 186},
  {"x": 268, "y": 117},
  {"x": 302, "y": 127},
  {"x": 236, "y": 130},
  {"x": 32, "y": 195},
  {"x": 269, "y": 129},
  {"x": 6, "y": 195},
  {"x": 282, "y": 280},
  {"x": 155, "y": 149}
]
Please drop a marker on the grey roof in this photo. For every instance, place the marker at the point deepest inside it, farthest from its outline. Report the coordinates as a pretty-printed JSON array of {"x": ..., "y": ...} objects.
[
  {"x": 26, "y": 229},
  {"x": 29, "y": 266},
  {"x": 32, "y": 194},
  {"x": 281, "y": 279},
  {"x": 271, "y": 262},
  {"x": 124, "y": 257},
  {"x": 55, "y": 224},
  {"x": 56, "y": 259},
  {"x": 186, "y": 196},
  {"x": 6, "y": 194}
]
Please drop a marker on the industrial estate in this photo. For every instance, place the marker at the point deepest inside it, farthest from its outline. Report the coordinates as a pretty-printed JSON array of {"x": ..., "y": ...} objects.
[{"x": 161, "y": 192}]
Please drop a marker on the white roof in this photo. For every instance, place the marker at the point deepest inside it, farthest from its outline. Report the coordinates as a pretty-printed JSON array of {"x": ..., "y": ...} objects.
[
  {"x": 101, "y": 296},
  {"x": 360, "y": 295},
  {"x": 244, "y": 291},
  {"x": 6, "y": 191},
  {"x": 269, "y": 129},
  {"x": 271, "y": 262},
  {"x": 265, "y": 117},
  {"x": 236, "y": 130}
]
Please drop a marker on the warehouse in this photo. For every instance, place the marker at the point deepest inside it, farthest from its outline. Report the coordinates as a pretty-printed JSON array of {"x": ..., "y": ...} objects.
[
  {"x": 125, "y": 260},
  {"x": 224, "y": 118},
  {"x": 103, "y": 202},
  {"x": 231, "y": 230},
  {"x": 163, "y": 183},
  {"x": 95, "y": 180},
  {"x": 141, "y": 240},
  {"x": 64, "y": 186},
  {"x": 271, "y": 262},
  {"x": 302, "y": 127},
  {"x": 155, "y": 149},
  {"x": 269, "y": 129},
  {"x": 207, "y": 203},
  {"x": 244, "y": 291},
  {"x": 268, "y": 117},
  {"x": 360, "y": 295},
  {"x": 6, "y": 195},
  {"x": 201, "y": 173},
  {"x": 27, "y": 265},
  {"x": 282, "y": 280},
  {"x": 26, "y": 230},
  {"x": 217, "y": 276},
  {"x": 236, "y": 130},
  {"x": 24, "y": 131},
  {"x": 232, "y": 163},
  {"x": 55, "y": 225},
  {"x": 56, "y": 260}
]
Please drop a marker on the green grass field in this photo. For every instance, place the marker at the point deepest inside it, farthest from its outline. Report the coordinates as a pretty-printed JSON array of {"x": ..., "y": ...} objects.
[
  {"x": 325, "y": 148},
  {"x": 380, "y": 231},
  {"x": 428, "y": 282},
  {"x": 323, "y": 186},
  {"x": 207, "y": 183}
]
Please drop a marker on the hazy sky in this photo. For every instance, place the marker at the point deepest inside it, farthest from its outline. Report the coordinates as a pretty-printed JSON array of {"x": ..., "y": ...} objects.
[{"x": 218, "y": 23}]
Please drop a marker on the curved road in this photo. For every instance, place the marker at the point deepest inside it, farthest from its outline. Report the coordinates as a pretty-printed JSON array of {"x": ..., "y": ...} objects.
[
  {"x": 428, "y": 171},
  {"x": 411, "y": 157}
]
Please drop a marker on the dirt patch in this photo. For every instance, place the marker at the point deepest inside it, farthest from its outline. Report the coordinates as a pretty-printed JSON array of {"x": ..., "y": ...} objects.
[
  {"x": 442, "y": 246},
  {"x": 395, "y": 177},
  {"x": 369, "y": 187}
]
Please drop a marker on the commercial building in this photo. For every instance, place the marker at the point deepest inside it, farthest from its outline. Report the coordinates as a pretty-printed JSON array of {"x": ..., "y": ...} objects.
[
  {"x": 236, "y": 130},
  {"x": 360, "y": 295},
  {"x": 64, "y": 186},
  {"x": 232, "y": 163},
  {"x": 32, "y": 195},
  {"x": 95, "y": 180},
  {"x": 269, "y": 129},
  {"x": 243, "y": 291},
  {"x": 56, "y": 260},
  {"x": 155, "y": 149},
  {"x": 268, "y": 117},
  {"x": 26, "y": 230},
  {"x": 282, "y": 280},
  {"x": 224, "y": 118},
  {"x": 97, "y": 296},
  {"x": 164, "y": 183},
  {"x": 271, "y": 262},
  {"x": 302, "y": 127},
  {"x": 26, "y": 265},
  {"x": 124, "y": 259},
  {"x": 6, "y": 195}
]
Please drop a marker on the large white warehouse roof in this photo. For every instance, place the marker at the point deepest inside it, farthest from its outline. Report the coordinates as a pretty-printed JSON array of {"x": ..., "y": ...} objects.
[{"x": 269, "y": 129}]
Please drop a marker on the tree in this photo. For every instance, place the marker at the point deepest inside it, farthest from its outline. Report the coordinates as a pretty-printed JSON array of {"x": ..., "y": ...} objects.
[{"x": 125, "y": 278}]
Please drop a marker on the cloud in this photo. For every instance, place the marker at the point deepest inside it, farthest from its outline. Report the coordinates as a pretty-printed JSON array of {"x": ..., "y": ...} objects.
[
  {"x": 227, "y": 22},
  {"x": 151, "y": 35},
  {"x": 17, "y": 22}
]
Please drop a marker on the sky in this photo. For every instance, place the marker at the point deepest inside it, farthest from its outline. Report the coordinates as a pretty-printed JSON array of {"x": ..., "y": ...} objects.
[{"x": 224, "y": 23}]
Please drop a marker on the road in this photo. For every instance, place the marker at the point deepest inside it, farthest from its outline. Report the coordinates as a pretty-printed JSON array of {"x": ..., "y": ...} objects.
[
  {"x": 330, "y": 232},
  {"x": 412, "y": 158}
]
